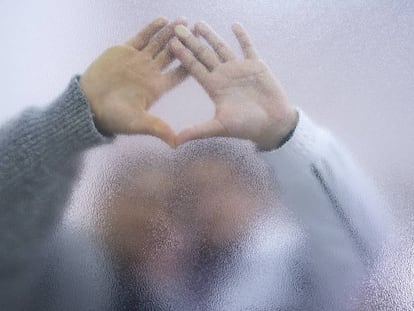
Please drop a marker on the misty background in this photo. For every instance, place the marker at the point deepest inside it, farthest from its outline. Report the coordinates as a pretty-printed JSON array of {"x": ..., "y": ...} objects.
[{"x": 348, "y": 64}]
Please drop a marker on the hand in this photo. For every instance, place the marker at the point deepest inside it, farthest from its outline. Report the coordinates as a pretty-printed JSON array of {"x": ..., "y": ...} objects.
[
  {"x": 250, "y": 103},
  {"x": 127, "y": 79}
]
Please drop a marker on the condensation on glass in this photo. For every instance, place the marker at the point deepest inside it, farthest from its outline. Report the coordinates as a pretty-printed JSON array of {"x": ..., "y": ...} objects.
[{"x": 211, "y": 226}]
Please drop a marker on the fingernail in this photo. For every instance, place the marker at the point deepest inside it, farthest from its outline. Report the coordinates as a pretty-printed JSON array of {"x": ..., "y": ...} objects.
[
  {"x": 182, "y": 31},
  {"x": 161, "y": 21},
  {"x": 236, "y": 26},
  {"x": 175, "y": 43},
  {"x": 200, "y": 25}
]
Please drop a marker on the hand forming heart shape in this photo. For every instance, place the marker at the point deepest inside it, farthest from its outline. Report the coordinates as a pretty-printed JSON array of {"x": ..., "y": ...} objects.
[{"x": 126, "y": 80}]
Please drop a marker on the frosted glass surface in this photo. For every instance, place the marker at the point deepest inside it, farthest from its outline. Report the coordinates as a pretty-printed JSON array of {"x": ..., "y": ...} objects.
[{"x": 212, "y": 226}]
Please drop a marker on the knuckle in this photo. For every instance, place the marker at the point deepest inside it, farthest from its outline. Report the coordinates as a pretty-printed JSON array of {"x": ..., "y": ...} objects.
[
  {"x": 180, "y": 51},
  {"x": 200, "y": 50},
  {"x": 167, "y": 58},
  {"x": 220, "y": 47},
  {"x": 164, "y": 36},
  {"x": 192, "y": 64},
  {"x": 155, "y": 45},
  {"x": 244, "y": 42}
]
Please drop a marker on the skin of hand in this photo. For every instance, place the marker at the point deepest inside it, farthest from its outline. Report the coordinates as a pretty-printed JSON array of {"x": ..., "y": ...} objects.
[
  {"x": 250, "y": 103},
  {"x": 127, "y": 79}
]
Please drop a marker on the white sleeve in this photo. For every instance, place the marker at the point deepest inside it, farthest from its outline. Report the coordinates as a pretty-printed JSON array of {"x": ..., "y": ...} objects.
[{"x": 328, "y": 192}]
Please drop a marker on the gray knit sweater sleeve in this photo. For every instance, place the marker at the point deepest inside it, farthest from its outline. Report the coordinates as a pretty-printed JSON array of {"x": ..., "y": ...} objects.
[{"x": 39, "y": 158}]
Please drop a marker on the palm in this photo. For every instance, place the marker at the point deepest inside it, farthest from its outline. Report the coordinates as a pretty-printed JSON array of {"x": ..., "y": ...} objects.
[
  {"x": 241, "y": 93},
  {"x": 138, "y": 77},
  {"x": 127, "y": 79},
  {"x": 236, "y": 79},
  {"x": 250, "y": 103},
  {"x": 130, "y": 81}
]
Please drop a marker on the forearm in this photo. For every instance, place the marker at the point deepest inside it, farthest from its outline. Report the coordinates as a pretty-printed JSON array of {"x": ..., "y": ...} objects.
[{"x": 39, "y": 155}]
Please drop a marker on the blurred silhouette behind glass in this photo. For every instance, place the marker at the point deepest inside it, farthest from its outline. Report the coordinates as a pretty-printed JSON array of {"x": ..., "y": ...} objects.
[{"x": 214, "y": 224}]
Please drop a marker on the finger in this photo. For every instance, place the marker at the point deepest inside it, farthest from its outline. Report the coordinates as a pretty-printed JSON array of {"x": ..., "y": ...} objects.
[
  {"x": 201, "y": 51},
  {"x": 164, "y": 58},
  {"x": 154, "y": 126},
  {"x": 174, "y": 77},
  {"x": 140, "y": 40},
  {"x": 245, "y": 43},
  {"x": 216, "y": 42},
  {"x": 206, "y": 129},
  {"x": 188, "y": 60},
  {"x": 158, "y": 42}
]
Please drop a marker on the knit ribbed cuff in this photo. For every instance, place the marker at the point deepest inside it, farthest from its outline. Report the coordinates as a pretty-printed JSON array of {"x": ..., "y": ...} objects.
[
  {"x": 69, "y": 124},
  {"x": 304, "y": 142},
  {"x": 72, "y": 119}
]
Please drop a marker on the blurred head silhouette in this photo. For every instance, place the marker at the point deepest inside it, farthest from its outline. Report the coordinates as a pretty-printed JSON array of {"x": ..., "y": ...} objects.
[
  {"x": 170, "y": 206},
  {"x": 182, "y": 214}
]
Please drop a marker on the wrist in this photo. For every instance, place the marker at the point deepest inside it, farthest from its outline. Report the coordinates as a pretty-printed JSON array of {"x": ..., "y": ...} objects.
[
  {"x": 84, "y": 86},
  {"x": 289, "y": 129},
  {"x": 281, "y": 131}
]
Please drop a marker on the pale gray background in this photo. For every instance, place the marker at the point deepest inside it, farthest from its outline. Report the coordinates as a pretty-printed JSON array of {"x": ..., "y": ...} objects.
[{"x": 348, "y": 64}]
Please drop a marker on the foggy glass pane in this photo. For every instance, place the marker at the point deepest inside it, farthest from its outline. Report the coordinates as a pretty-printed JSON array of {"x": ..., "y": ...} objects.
[{"x": 125, "y": 222}]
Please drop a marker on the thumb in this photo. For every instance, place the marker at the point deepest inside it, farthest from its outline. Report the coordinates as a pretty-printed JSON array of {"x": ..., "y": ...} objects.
[
  {"x": 206, "y": 129},
  {"x": 154, "y": 126}
]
